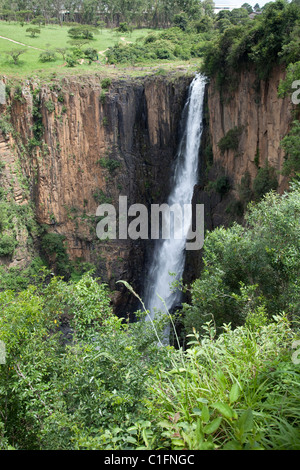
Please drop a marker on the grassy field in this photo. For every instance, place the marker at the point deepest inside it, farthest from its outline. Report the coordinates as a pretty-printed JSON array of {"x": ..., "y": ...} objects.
[{"x": 50, "y": 38}]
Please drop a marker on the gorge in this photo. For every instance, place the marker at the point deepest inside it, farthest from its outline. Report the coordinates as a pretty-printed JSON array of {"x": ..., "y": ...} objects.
[{"x": 73, "y": 144}]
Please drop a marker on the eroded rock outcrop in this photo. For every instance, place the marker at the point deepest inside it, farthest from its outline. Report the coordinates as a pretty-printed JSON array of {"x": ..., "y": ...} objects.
[
  {"x": 81, "y": 144},
  {"x": 253, "y": 107}
]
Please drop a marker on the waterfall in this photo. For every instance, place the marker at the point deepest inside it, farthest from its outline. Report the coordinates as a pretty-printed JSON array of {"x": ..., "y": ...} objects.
[{"x": 169, "y": 254}]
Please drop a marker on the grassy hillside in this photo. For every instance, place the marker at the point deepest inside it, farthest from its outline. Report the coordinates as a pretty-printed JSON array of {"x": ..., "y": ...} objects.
[{"x": 50, "y": 38}]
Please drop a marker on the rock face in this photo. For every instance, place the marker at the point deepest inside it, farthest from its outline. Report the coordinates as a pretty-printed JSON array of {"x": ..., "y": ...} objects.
[
  {"x": 79, "y": 144},
  {"x": 263, "y": 119}
]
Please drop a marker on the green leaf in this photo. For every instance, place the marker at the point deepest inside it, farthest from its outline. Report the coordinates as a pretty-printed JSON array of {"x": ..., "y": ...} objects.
[
  {"x": 221, "y": 380},
  {"x": 205, "y": 414},
  {"x": 213, "y": 426},
  {"x": 224, "y": 409},
  {"x": 245, "y": 421},
  {"x": 177, "y": 442},
  {"x": 232, "y": 445},
  {"x": 234, "y": 393}
]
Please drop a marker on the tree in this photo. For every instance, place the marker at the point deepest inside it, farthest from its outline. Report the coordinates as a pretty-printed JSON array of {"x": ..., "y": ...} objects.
[
  {"x": 78, "y": 43},
  {"x": 15, "y": 54},
  {"x": 81, "y": 32},
  {"x": 33, "y": 32},
  {"x": 247, "y": 7},
  {"x": 62, "y": 51},
  {"x": 291, "y": 146},
  {"x": 239, "y": 16},
  {"x": 91, "y": 54},
  {"x": 251, "y": 266},
  {"x": 47, "y": 56},
  {"x": 181, "y": 20},
  {"x": 39, "y": 20},
  {"x": 204, "y": 25},
  {"x": 208, "y": 6}
]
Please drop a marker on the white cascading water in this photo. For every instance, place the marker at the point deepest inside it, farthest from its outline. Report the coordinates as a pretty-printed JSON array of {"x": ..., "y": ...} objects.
[{"x": 169, "y": 254}]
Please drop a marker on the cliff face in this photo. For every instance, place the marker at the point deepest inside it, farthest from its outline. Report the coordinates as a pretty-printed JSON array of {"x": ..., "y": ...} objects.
[
  {"x": 262, "y": 118},
  {"x": 257, "y": 120},
  {"x": 78, "y": 144},
  {"x": 81, "y": 144}
]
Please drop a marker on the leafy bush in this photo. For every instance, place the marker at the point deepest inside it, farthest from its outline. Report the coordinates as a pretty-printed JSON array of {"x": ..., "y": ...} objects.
[
  {"x": 54, "y": 248},
  {"x": 105, "y": 83},
  {"x": 222, "y": 185},
  {"x": 110, "y": 164},
  {"x": 250, "y": 267},
  {"x": 72, "y": 390},
  {"x": 264, "y": 181},
  {"x": 71, "y": 61},
  {"x": 124, "y": 28},
  {"x": 5, "y": 125},
  {"x": 230, "y": 141},
  {"x": 291, "y": 146},
  {"x": 83, "y": 31},
  {"x": 211, "y": 399},
  {"x": 166, "y": 45},
  {"x": 7, "y": 244},
  {"x": 91, "y": 54},
  {"x": 264, "y": 42},
  {"x": 50, "y": 106},
  {"x": 47, "y": 56}
]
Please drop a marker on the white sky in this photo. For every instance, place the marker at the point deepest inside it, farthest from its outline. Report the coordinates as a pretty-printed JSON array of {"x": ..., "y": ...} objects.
[{"x": 239, "y": 3}]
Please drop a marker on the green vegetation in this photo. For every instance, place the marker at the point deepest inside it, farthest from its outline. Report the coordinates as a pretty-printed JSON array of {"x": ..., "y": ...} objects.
[
  {"x": 252, "y": 268},
  {"x": 271, "y": 38},
  {"x": 33, "y": 32},
  {"x": 110, "y": 164},
  {"x": 191, "y": 31},
  {"x": 172, "y": 44},
  {"x": 265, "y": 180},
  {"x": 231, "y": 140},
  {"x": 45, "y": 54},
  {"x": 291, "y": 146},
  {"x": 114, "y": 14},
  {"x": 221, "y": 185},
  {"x": 76, "y": 377}
]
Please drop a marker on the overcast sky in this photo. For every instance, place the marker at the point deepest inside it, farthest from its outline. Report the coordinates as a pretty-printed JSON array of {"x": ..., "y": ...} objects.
[{"x": 237, "y": 4}]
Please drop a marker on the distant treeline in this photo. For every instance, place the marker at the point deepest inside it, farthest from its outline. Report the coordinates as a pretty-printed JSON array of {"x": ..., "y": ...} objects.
[{"x": 109, "y": 13}]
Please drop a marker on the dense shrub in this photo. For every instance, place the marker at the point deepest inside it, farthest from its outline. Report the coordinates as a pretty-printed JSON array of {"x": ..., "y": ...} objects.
[
  {"x": 47, "y": 56},
  {"x": 291, "y": 146},
  {"x": 268, "y": 40},
  {"x": 250, "y": 267},
  {"x": 265, "y": 181},
  {"x": 8, "y": 244},
  {"x": 166, "y": 45},
  {"x": 231, "y": 139}
]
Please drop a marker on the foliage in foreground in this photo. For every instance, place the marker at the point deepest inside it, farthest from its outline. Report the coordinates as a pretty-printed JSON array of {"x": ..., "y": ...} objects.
[
  {"x": 109, "y": 386},
  {"x": 251, "y": 268},
  {"x": 77, "y": 377}
]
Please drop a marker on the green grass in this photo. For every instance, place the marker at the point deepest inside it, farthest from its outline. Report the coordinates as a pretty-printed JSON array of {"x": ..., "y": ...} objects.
[{"x": 51, "y": 37}]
